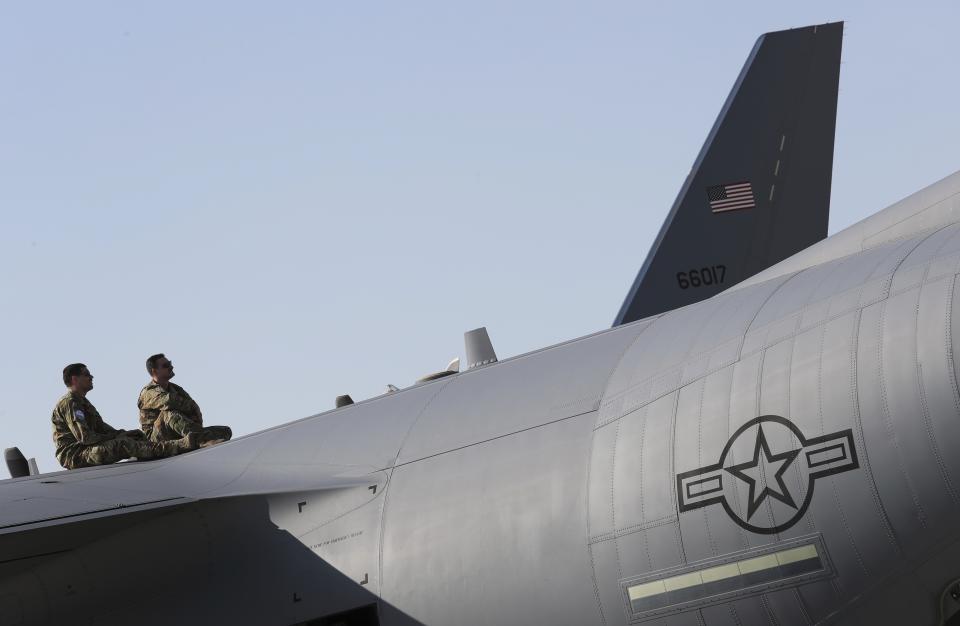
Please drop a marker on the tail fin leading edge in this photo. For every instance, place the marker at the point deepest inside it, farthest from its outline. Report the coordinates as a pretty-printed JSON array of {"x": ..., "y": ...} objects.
[{"x": 759, "y": 190}]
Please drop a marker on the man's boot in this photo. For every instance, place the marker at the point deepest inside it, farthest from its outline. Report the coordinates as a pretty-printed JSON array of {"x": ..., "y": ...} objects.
[
  {"x": 212, "y": 435},
  {"x": 145, "y": 450},
  {"x": 187, "y": 443}
]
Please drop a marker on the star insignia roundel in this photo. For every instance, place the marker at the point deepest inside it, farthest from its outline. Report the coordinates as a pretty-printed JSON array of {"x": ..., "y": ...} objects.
[
  {"x": 766, "y": 471},
  {"x": 765, "y": 477}
]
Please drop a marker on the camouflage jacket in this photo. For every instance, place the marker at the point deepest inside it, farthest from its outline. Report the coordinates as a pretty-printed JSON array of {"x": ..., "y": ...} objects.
[
  {"x": 77, "y": 424},
  {"x": 154, "y": 399}
]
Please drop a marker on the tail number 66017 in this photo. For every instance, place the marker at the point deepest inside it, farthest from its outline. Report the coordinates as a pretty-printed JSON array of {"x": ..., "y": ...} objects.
[{"x": 713, "y": 275}]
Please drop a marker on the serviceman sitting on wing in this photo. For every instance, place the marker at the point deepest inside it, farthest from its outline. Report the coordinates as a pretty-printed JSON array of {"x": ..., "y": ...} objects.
[
  {"x": 83, "y": 439},
  {"x": 167, "y": 412}
]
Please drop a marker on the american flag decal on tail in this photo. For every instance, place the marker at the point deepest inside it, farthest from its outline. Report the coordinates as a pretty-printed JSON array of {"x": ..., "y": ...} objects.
[{"x": 731, "y": 197}]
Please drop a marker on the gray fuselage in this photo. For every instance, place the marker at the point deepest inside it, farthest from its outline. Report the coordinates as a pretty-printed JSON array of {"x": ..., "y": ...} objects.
[{"x": 618, "y": 477}]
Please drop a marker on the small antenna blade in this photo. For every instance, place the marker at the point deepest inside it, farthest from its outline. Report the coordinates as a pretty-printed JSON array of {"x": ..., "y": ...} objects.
[{"x": 479, "y": 348}]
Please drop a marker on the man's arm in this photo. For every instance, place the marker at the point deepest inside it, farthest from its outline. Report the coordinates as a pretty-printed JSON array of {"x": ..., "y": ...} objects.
[
  {"x": 194, "y": 409},
  {"x": 149, "y": 412},
  {"x": 92, "y": 418},
  {"x": 181, "y": 402},
  {"x": 101, "y": 426},
  {"x": 98, "y": 425},
  {"x": 107, "y": 429},
  {"x": 152, "y": 399},
  {"x": 76, "y": 420}
]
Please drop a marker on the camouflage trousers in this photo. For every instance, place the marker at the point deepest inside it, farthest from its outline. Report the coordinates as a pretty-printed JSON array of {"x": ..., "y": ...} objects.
[
  {"x": 172, "y": 425},
  {"x": 124, "y": 447}
]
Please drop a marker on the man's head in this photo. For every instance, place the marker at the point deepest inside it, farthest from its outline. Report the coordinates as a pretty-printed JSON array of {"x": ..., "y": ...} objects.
[
  {"x": 160, "y": 368},
  {"x": 78, "y": 378}
]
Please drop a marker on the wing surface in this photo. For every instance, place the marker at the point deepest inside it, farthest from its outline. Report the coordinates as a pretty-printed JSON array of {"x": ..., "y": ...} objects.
[{"x": 229, "y": 470}]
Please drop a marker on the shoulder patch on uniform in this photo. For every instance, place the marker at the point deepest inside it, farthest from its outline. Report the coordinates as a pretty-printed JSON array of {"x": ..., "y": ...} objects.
[{"x": 79, "y": 414}]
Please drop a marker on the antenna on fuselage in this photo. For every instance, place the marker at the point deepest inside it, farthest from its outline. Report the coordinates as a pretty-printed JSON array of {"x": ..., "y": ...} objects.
[
  {"x": 16, "y": 463},
  {"x": 479, "y": 349},
  {"x": 453, "y": 367}
]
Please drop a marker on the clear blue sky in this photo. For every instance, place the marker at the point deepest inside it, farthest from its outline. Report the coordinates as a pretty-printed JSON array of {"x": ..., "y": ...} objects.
[{"x": 298, "y": 200}]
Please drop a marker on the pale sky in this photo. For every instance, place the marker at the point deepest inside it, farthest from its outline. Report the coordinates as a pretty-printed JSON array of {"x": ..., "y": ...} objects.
[{"x": 303, "y": 199}]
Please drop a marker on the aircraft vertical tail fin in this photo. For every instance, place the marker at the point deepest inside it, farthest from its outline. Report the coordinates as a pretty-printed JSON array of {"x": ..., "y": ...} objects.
[{"x": 759, "y": 191}]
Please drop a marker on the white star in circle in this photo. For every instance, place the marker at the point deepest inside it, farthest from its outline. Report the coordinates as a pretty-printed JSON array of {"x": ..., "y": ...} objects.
[{"x": 763, "y": 469}]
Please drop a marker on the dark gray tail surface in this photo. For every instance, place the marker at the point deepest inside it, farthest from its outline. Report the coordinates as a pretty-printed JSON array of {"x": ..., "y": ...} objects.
[{"x": 759, "y": 190}]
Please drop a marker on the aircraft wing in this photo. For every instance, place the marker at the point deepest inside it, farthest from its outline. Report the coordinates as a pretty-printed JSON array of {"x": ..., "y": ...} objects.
[
  {"x": 759, "y": 191},
  {"x": 205, "y": 520},
  {"x": 226, "y": 471}
]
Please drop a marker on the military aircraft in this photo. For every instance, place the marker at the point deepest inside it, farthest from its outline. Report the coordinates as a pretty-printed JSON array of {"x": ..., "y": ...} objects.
[{"x": 775, "y": 451}]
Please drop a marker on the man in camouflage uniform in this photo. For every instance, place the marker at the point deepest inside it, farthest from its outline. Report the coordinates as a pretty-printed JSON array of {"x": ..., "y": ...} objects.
[
  {"x": 83, "y": 439},
  {"x": 168, "y": 413}
]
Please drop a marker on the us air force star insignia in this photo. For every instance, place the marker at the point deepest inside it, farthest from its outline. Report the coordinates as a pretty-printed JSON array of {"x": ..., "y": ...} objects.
[
  {"x": 79, "y": 414},
  {"x": 757, "y": 471},
  {"x": 777, "y": 477}
]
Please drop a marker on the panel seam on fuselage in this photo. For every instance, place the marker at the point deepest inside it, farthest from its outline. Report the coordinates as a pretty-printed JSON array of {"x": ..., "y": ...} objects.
[
  {"x": 802, "y": 329},
  {"x": 477, "y": 443},
  {"x": 386, "y": 486}
]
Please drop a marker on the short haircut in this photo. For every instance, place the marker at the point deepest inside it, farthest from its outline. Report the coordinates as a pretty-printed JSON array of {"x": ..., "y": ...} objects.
[
  {"x": 152, "y": 362},
  {"x": 74, "y": 369}
]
